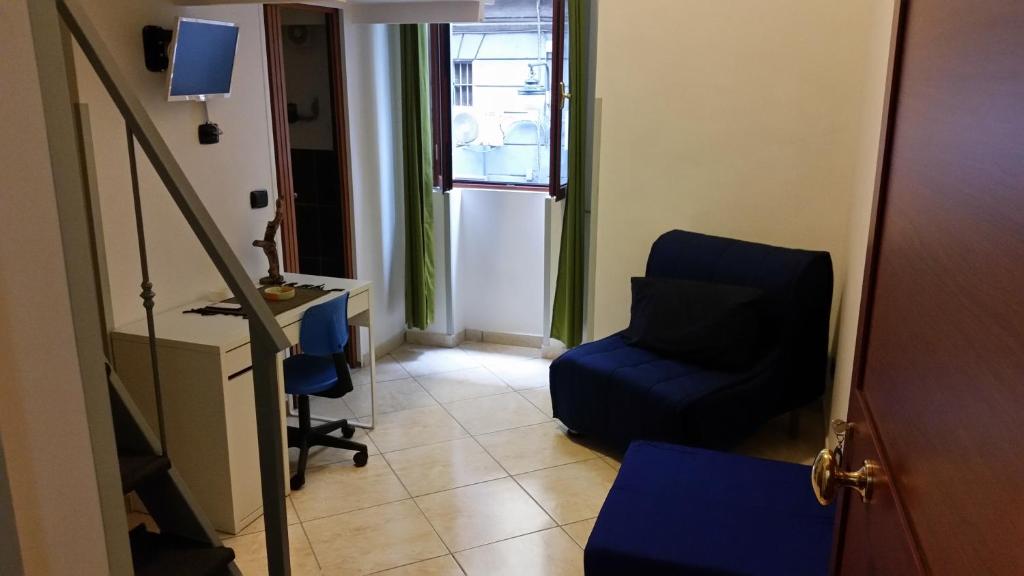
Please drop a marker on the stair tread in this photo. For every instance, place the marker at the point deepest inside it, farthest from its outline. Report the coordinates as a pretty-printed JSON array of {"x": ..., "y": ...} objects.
[
  {"x": 166, "y": 555},
  {"x": 137, "y": 468}
]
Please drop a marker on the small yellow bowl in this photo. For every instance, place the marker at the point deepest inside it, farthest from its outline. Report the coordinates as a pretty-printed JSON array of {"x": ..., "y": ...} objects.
[{"x": 277, "y": 293}]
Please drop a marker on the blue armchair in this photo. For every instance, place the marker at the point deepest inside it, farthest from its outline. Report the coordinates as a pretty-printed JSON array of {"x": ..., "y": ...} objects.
[{"x": 617, "y": 393}]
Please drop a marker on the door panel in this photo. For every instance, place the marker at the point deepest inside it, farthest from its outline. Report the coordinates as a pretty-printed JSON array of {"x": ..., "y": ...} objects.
[
  {"x": 877, "y": 527},
  {"x": 941, "y": 359}
]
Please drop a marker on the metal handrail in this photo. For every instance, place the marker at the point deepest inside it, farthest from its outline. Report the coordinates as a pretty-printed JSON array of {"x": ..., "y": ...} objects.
[{"x": 267, "y": 337}]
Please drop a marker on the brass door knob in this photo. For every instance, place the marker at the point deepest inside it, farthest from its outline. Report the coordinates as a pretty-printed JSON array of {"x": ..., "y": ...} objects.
[{"x": 827, "y": 478}]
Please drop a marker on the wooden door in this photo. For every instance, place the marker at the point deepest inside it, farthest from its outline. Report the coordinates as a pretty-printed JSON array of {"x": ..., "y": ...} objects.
[
  {"x": 938, "y": 398},
  {"x": 322, "y": 216}
]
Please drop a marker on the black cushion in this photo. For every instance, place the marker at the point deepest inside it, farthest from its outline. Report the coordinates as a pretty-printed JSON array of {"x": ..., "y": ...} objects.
[{"x": 711, "y": 325}]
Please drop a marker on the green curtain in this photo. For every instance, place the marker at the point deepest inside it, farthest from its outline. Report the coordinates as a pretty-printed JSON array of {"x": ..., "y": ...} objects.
[
  {"x": 567, "y": 316},
  {"x": 418, "y": 169}
]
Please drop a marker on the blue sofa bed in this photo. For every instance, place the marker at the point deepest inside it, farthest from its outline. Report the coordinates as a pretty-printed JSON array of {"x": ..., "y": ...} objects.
[
  {"x": 617, "y": 393},
  {"x": 675, "y": 510}
]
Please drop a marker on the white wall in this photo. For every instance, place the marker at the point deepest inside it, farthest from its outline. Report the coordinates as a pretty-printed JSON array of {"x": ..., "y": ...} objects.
[
  {"x": 877, "y": 59},
  {"x": 501, "y": 261},
  {"x": 742, "y": 119},
  {"x": 224, "y": 173},
  {"x": 371, "y": 53},
  {"x": 42, "y": 413}
]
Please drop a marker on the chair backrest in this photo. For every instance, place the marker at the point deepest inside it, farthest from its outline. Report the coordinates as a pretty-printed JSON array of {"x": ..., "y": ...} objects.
[
  {"x": 324, "y": 327},
  {"x": 797, "y": 286},
  {"x": 703, "y": 258}
]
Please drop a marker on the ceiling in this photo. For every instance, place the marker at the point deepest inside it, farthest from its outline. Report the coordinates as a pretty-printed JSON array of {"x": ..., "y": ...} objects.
[{"x": 384, "y": 11}]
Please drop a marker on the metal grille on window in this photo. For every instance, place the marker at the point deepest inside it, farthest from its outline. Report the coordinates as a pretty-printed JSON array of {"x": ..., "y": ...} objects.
[{"x": 462, "y": 83}]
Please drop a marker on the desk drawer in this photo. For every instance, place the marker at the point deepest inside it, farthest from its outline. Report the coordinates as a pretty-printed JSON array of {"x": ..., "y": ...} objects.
[
  {"x": 237, "y": 360},
  {"x": 358, "y": 303},
  {"x": 292, "y": 332}
]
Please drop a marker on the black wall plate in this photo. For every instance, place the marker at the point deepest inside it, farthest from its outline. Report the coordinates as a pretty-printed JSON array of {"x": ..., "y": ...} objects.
[{"x": 258, "y": 199}]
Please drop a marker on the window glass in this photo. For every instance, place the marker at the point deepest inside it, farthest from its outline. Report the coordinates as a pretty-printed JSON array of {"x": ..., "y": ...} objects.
[
  {"x": 501, "y": 94},
  {"x": 567, "y": 89}
]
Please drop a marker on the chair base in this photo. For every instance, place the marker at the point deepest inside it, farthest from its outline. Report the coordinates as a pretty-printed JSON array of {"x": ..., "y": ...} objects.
[{"x": 305, "y": 436}]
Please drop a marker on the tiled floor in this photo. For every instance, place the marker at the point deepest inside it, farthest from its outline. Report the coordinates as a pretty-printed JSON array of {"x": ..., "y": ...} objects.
[{"x": 468, "y": 474}]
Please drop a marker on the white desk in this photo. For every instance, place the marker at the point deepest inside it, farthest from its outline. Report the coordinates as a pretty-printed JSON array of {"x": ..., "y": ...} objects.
[{"x": 207, "y": 387}]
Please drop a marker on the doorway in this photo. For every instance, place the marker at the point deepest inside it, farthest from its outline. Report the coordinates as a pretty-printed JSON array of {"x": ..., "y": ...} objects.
[{"x": 306, "y": 75}]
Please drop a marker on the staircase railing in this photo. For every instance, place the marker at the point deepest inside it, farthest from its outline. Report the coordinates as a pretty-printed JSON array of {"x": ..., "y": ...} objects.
[{"x": 267, "y": 337}]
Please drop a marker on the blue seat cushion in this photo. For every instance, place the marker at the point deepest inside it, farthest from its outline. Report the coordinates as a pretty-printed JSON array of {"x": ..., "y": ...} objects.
[
  {"x": 618, "y": 393},
  {"x": 309, "y": 375},
  {"x": 679, "y": 510}
]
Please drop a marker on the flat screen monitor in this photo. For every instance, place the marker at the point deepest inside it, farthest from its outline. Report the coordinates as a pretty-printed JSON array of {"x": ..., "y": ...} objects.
[{"x": 203, "y": 59}]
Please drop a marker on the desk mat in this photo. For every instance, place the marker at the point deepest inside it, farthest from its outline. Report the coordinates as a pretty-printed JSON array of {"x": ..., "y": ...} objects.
[{"x": 304, "y": 294}]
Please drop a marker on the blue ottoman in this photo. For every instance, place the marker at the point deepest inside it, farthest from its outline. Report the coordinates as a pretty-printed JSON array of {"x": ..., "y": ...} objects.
[{"x": 679, "y": 510}]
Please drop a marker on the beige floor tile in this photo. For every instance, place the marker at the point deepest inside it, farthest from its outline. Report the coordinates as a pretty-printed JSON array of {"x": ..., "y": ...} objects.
[
  {"x": 443, "y": 566},
  {"x": 483, "y": 513},
  {"x": 368, "y": 541},
  {"x": 387, "y": 369},
  {"x": 443, "y": 466},
  {"x": 547, "y": 553},
  {"x": 580, "y": 531},
  {"x": 423, "y": 360},
  {"x": 539, "y": 397},
  {"x": 417, "y": 427},
  {"x": 520, "y": 373},
  {"x": 534, "y": 447},
  {"x": 572, "y": 492},
  {"x": 257, "y": 525},
  {"x": 251, "y": 553},
  {"x": 463, "y": 384},
  {"x": 493, "y": 413},
  {"x": 614, "y": 462},
  {"x": 392, "y": 396},
  {"x": 342, "y": 488},
  {"x": 325, "y": 456}
]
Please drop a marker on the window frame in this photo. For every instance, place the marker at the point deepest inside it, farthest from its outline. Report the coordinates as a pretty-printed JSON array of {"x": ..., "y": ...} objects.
[{"x": 441, "y": 111}]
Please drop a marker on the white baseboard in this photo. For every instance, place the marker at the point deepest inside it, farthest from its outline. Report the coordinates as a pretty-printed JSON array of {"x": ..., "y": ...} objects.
[
  {"x": 422, "y": 338},
  {"x": 384, "y": 348},
  {"x": 435, "y": 338},
  {"x": 390, "y": 345},
  {"x": 506, "y": 338},
  {"x": 553, "y": 349}
]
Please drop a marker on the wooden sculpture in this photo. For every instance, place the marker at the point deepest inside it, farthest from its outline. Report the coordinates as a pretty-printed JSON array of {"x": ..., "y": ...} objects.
[{"x": 269, "y": 246}]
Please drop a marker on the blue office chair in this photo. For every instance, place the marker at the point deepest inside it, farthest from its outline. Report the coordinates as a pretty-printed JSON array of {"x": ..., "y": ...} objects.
[{"x": 320, "y": 370}]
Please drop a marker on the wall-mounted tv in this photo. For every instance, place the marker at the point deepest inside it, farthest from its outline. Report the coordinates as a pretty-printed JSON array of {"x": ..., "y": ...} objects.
[{"x": 203, "y": 59}]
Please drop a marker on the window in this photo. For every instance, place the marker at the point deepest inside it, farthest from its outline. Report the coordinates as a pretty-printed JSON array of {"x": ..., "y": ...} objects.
[
  {"x": 503, "y": 78},
  {"x": 462, "y": 83}
]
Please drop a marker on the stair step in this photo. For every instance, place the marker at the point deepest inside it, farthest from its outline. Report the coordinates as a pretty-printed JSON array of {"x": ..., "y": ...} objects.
[
  {"x": 166, "y": 555},
  {"x": 137, "y": 468}
]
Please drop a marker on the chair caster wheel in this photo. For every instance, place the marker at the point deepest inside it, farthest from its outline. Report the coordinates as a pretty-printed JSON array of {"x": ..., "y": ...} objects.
[
  {"x": 348, "y": 431},
  {"x": 360, "y": 458},
  {"x": 297, "y": 482}
]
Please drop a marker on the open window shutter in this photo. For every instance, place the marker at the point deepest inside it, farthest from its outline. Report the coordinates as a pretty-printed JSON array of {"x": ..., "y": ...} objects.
[
  {"x": 559, "y": 89},
  {"x": 441, "y": 101}
]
